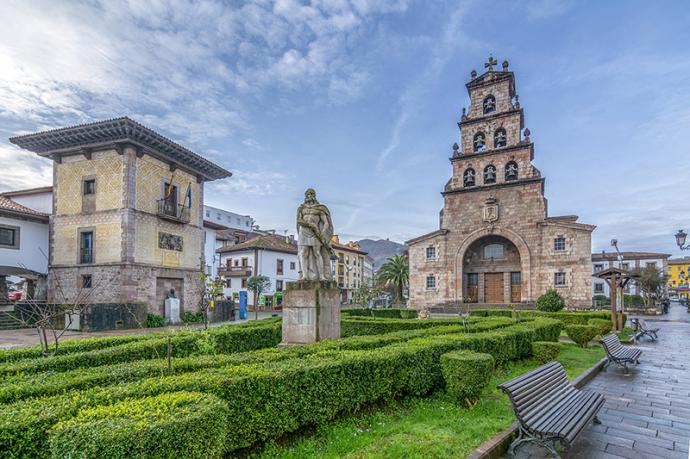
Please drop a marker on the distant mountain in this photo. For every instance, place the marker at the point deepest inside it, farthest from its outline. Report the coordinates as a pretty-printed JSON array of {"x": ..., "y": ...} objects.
[{"x": 381, "y": 250}]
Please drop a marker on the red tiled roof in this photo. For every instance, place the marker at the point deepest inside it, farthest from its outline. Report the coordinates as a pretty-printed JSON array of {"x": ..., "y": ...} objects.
[
  {"x": 264, "y": 242},
  {"x": 43, "y": 189},
  {"x": 12, "y": 207}
]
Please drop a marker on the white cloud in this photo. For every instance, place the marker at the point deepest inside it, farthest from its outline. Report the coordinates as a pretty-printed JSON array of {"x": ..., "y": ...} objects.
[
  {"x": 252, "y": 183},
  {"x": 23, "y": 169}
]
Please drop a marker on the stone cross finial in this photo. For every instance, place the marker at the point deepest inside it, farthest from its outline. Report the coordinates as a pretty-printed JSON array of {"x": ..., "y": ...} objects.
[{"x": 490, "y": 63}]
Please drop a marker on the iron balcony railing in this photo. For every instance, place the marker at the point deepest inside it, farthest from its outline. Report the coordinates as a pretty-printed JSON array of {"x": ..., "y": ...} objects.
[
  {"x": 236, "y": 271},
  {"x": 173, "y": 211}
]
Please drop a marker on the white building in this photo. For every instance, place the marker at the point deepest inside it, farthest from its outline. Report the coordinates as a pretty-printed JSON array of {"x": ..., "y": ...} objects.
[
  {"x": 266, "y": 255},
  {"x": 24, "y": 217},
  {"x": 368, "y": 271},
  {"x": 630, "y": 262},
  {"x": 228, "y": 219}
]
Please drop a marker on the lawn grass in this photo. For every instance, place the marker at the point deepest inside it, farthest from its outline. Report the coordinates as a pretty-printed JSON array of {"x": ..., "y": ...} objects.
[{"x": 421, "y": 427}]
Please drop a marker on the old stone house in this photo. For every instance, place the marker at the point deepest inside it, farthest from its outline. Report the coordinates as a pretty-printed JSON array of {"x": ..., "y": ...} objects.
[
  {"x": 496, "y": 243},
  {"x": 127, "y": 221}
]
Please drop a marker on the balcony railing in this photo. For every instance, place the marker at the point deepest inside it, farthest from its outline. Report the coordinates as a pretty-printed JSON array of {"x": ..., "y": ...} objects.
[
  {"x": 235, "y": 271},
  {"x": 173, "y": 211},
  {"x": 85, "y": 255}
]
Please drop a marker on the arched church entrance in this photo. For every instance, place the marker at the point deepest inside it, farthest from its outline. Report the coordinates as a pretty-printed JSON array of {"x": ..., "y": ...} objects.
[{"x": 492, "y": 271}]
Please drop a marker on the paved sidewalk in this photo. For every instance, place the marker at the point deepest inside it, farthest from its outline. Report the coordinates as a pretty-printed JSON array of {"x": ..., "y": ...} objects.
[
  {"x": 26, "y": 337},
  {"x": 647, "y": 413}
]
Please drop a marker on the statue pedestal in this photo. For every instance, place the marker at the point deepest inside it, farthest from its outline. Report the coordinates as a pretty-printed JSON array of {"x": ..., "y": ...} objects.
[
  {"x": 172, "y": 310},
  {"x": 311, "y": 312}
]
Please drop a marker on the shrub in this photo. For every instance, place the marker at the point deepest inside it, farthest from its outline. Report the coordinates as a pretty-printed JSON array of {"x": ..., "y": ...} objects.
[
  {"x": 409, "y": 313},
  {"x": 193, "y": 317},
  {"x": 551, "y": 301},
  {"x": 271, "y": 398},
  {"x": 634, "y": 301},
  {"x": 581, "y": 334},
  {"x": 545, "y": 351},
  {"x": 466, "y": 374},
  {"x": 178, "y": 424},
  {"x": 355, "y": 312},
  {"x": 154, "y": 320},
  {"x": 226, "y": 339},
  {"x": 491, "y": 312},
  {"x": 603, "y": 325},
  {"x": 358, "y": 326}
]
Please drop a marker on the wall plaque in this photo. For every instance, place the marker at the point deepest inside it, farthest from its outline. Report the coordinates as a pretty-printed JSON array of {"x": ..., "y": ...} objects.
[{"x": 170, "y": 242}]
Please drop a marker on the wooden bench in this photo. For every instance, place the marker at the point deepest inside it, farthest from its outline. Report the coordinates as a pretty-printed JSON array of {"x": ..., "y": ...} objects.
[
  {"x": 641, "y": 329},
  {"x": 549, "y": 409},
  {"x": 619, "y": 354}
]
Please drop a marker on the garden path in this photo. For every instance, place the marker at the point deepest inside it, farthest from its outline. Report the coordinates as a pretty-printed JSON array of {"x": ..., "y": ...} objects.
[{"x": 647, "y": 413}]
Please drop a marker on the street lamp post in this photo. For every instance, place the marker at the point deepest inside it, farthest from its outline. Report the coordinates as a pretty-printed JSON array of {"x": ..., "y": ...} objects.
[{"x": 680, "y": 240}]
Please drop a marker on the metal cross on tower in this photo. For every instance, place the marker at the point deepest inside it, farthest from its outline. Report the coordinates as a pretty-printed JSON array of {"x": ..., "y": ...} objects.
[{"x": 490, "y": 63}]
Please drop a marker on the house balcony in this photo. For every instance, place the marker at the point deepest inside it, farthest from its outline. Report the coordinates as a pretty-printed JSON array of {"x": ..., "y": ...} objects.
[
  {"x": 173, "y": 211},
  {"x": 235, "y": 271}
]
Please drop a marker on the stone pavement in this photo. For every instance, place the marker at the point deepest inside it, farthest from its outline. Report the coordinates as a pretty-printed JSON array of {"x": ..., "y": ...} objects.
[
  {"x": 25, "y": 337},
  {"x": 647, "y": 413}
]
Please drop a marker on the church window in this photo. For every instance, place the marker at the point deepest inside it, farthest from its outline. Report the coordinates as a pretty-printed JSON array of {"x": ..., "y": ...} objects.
[
  {"x": 430, "y": 281},
  {"x": 493, "y": 251},
  {"x": 468, "y": 177},
  {"x": 511, "y": 171},
  {"x": 479, "y": 141},
  {"x": 559, "y": 279},
  {"x": 500, "y": 138},
  {"x": 559, "y": 244},
  {"x": 490, "y": 174},
  {"x": 489, "y": 104},
  {"x": 431, "y": 253}
]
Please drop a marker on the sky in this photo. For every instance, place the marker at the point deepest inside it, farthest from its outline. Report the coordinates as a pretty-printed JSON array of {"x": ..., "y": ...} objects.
[{"x": 359, "y": 99}]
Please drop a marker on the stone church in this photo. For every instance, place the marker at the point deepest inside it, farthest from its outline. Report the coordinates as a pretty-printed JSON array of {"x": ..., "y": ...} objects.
[{"x": 496, "y": 243}]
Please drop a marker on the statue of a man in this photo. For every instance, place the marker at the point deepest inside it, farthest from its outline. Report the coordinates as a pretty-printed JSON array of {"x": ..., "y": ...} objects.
[{"x": 314, "y": 231}]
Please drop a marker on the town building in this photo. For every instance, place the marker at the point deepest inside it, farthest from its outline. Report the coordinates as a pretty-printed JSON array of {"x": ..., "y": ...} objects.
[
  {"x": 24, "y": 218},
  {"x": 264, "y": 255},
  {"x": 678, "y": 273},
  {"x": 368, "y": 271},
  {"x": 348, "y": 268},
  {"x": 496, "y": 243},
  {"x": 629, "y": 261},
  {"x": 217, "y": 235},
  {"x": 228, "y": 219},
  {"x": 127, "y": 214}
]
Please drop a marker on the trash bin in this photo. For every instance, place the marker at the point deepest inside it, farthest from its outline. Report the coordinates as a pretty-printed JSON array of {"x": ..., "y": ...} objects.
[{"x": 243, "y": 305}]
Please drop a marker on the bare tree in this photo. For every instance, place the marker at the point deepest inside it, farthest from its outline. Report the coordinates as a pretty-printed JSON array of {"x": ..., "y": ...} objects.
[
  {"x": 52, "y": 320},
  {"x": 209, "y": 295}
]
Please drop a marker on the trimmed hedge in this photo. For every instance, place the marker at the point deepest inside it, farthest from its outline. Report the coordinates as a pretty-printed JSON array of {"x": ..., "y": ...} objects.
[
  {"x": 550, "y": 301},
  {"x": 45, "y": 384},
  {"x": 604, "y": 325},
  {"x": 269, "y": 399},
  {"x": 384, "y": 313},
  {"x": 223, "y": 340},
  {"x": 567, "y": 317},
  {"x": 358, "y": 326},
  {"x": 466, "y": 374},
  {"x": 92, "y": 344},
  {"x": 545, "y": 351},
  {"x": 179, "y": 424},
  {"x": 581, "y": 334}
]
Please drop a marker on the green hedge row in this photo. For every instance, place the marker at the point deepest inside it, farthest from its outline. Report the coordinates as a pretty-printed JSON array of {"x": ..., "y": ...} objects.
[
  {"x": 271, "y": 398},
  {"x": 92, "y": 344},
  {"x": 221, "y": 340},
  {"x": 385, "y": 313},
  {"x": 466, "y": 374},
  {"x": 29, "y": 385},
  {"x": 358, "y": 326},
  {"x": 568, "y": 318},
  {"x": 179, "y": 424}
]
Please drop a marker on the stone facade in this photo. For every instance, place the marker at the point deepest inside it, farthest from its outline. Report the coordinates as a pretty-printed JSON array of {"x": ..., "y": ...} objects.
[
  {"x": 496, "y": 243},
  {"x": 111, "y": 181}
]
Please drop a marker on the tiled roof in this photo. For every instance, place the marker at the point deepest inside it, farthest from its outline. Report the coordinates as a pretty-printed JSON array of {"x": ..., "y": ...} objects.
[
  {"x": 12, "y": 207},
  {"x": 43, "y": 189},
  {"x": 628, "y": 256},
  {"x": 264, "y": 242},
  {"x": 118, "y": 130},
  {"x": 347, "y": 248}
]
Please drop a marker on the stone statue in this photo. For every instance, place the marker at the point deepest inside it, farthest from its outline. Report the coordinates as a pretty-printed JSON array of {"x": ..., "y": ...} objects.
[{"x": 314, "y": 230}]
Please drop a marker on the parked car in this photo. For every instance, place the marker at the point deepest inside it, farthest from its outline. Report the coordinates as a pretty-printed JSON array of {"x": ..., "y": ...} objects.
[{"x": 14, "y": 295}]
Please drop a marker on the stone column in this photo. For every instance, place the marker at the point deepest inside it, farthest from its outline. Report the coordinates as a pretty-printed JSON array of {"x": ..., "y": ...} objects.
[{"x": 311, "y": 312}]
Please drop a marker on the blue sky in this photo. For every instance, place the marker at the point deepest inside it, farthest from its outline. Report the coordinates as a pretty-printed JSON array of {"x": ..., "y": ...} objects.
[{"x": 359, "y": 99}]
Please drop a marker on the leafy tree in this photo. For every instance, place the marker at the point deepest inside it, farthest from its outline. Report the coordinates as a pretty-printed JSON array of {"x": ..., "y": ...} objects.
[
  {"x": 258, "y": 284},
  {"x": 551, "y": 301},
  {"x": 651, "y": 283},
  {"x": 395, "y": 272}
]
